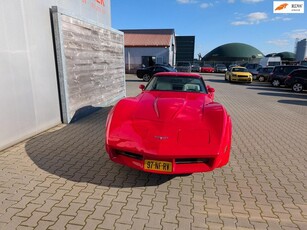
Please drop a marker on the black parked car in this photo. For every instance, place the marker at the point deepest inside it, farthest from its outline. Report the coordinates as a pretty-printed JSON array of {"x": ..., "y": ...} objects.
[
  {"x": 147, "y": 72},
  {"x": 297, "y": 80},
  {"x": 264, "y": 73},
  {"x": 281, "y": 72}
]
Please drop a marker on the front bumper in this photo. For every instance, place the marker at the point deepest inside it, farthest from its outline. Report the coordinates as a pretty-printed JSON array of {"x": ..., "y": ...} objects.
[
  {"x": 242, "y": 79},
  {"x": 182, "y": 165}
]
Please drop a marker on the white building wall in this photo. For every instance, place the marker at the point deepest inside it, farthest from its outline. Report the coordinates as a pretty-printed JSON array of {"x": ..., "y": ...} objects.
[{"x": 28, "y": 85}]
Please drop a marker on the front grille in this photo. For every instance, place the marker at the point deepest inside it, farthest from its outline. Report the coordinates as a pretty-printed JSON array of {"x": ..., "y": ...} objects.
[
  {"x": 129, "y": 154},
  {"x": 241, "y": 76},
  {"x": 193, "y": 160}
]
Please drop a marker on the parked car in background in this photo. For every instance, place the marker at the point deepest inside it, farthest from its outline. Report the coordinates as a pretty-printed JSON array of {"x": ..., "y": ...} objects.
[
  {"x": 281, "y": 72},
  {"x": 184, "y": 66},
  {"x": 264, "y": 73},
  {"x": 220, "y": 68},
  {"x": 167, "y": 65},
  {"x": 297, "y": 80},
  {"x": 253, "y": 68},
  {"x": 147, "y": 72},
  {"x": 232, "y": 65},
  {"x": 195, "y": 67},
  {"x": 238, "y": 74},
  {"x": 206, "y": 68}
]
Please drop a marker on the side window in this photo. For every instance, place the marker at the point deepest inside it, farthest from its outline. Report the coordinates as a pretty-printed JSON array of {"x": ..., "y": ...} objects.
[
  {"x": 159, "y": 69},
  {"x": 279, "y": 70},
  {"x": 289, "y": 69}
]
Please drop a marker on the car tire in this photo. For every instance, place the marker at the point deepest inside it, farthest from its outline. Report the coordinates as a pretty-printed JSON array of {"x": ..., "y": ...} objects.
[
  {"x": 225, "y": 78},
  {"x": 146, "y": 77},
  {"x": 230, "y": 79},
  {"x": 261, "y": 78},
  {"x": 275, "y": 83},
  {"x": 297, "y": 87}
]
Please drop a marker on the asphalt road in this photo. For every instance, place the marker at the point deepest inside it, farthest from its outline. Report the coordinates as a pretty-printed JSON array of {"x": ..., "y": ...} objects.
[{"x": 63, "y": 179}]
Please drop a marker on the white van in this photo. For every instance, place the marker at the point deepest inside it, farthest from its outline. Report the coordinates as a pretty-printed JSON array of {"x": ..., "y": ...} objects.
[{"x": 270, "y": 61}]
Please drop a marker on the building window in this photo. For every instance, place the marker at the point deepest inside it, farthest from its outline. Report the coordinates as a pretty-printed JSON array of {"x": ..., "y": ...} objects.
[{"x": 148, "y": 60}]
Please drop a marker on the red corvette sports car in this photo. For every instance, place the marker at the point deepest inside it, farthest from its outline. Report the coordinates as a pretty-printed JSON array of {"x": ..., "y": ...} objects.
[
  {"x": 172, "y": 127},
  {"x": 206, "y": 68}
]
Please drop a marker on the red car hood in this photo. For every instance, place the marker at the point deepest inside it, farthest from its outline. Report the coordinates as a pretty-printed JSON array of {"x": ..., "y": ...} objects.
[
  {"x": 168, "y": 124},
  {"x": 170, "y": 106}
]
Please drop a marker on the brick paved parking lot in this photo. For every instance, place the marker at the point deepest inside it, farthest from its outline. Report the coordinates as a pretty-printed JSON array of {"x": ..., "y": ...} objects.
[{"x": 62, "y": 178}]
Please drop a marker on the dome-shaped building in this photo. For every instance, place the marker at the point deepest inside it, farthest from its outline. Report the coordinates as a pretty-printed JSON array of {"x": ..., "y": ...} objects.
[
  {"x": 233, "y": 53},
  {"x": 286, "y": 57}
]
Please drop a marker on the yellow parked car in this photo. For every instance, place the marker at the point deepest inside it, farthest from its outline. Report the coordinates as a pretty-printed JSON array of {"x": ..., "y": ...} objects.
[{"x": 238, "y": 74}]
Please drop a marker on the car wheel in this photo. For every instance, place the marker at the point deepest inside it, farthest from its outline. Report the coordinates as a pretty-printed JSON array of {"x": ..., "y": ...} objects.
[
  {"x": 225, "y": 78},
  {"x": 146, "y": 77},
  {"x": 297, "y": 87},
  {"x": 261, "y": 78},
  {"x": 275, "y": 83},
  {"x": 230, "y": 79}
]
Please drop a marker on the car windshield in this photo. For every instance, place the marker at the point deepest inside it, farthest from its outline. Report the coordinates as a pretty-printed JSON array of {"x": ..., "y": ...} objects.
[
  {"x": 170, "y": 69},
  {"x": 170, "y": 83},
  {"x": 207, "y": 65},
  {"x": 239, "y": 70},
  {"x": 268, "y": 69}
]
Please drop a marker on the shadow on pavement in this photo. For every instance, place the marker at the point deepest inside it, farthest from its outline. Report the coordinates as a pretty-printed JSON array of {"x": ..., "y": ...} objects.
[
  {"x": 284, "y": 94},
  {"x": 137, "y": 80},
  {"x": 76, "y": 152},
  {"x": 217, "y": 80},
  {"x": 293, "y": 102},
  {"x": 83, "y": 112},
  {"x": 269, "y": 88}
]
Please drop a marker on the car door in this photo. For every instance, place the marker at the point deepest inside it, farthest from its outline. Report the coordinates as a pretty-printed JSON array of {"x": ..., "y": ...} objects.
[
  {"x": 304, "y": 78},
  {"x": 149, "y": 70}
]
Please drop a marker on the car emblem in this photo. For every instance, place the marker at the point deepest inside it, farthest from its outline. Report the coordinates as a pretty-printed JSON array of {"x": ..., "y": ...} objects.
[{"x": 161, "y": 137}]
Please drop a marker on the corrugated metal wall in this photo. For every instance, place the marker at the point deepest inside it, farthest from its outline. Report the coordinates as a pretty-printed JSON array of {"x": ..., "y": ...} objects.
[{"x": 90, "y": 65}]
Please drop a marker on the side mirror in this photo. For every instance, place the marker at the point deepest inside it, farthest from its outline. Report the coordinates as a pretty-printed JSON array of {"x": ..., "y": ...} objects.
[
  {"x": 142, "y": 87},
  {"x": 211, "y": 92},
  {"x": 210, "y": 89}
]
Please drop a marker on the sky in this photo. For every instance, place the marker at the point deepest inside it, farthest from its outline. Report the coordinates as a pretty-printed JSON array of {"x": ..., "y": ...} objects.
[{"x": 215, "y": 23}]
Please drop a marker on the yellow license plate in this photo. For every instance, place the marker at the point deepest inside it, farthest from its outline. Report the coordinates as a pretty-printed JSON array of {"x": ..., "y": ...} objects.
[{"x": 162, "y": 166}]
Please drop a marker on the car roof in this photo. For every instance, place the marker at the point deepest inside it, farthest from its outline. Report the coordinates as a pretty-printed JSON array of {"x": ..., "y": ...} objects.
[
  {"x": 178, "y": 74},
  {"x": 300, "y": 69},
  {"x": 238, "y": 66},
  {"x": 299, "y": 66}
]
